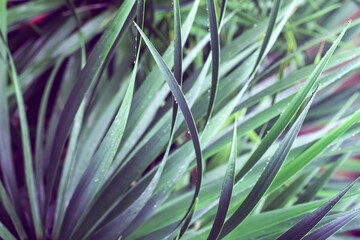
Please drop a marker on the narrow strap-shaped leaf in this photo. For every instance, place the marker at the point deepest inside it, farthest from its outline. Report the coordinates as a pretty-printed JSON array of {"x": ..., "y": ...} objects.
[
  {"x": 187, "y": 220},
  {"x": 5, "y": 233},
  {"x": 39, "y": 151},
  {"x": 4, "y": 199},
  {"x": 80, "y": 33},
  {"x": 306, "y": 45},
  {"x": 222, "y": 12},
  {"x": 228, "y": 109},
  {"x": 226, "y": 192},
  {"x": 273, "y": 15},
  {"x": 92, "y": 70},
  {"x": 178, "y": 55},
  {"x": 115, "y": 228},
  {"x": 215, "y": 52},
  {"x": 286, "y": 195},
  {"x": 214, "y": 27},
  {"x": 268, "y": 174},
  {"x": 118, "y": 185},
  {"x": 332, "y": 227},
  {"x": 158, "y": 198},
  {"x": 6, "y": 161},
  {"x": 300, "y": 229},
  {"x": 303, "y": 159},
  {"x": 25, "y": 138},
  {"x": 313, "y": 188},
  {"x": 75, "y": 132},
  {"x": 290, "y": 111},
  {"x": 95, "y": 174},
  {"x": 61, "y": 202},
  {"x": 140, "y": 13},
  {"x": 179, "y": 96}
]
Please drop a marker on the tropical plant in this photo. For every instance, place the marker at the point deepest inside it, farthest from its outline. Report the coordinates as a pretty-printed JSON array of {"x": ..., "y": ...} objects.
[{"x": 179, "y": 119}]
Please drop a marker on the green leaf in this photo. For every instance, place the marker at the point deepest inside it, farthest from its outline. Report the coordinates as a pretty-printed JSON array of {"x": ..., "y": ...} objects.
[
  {"x": 79, "y": 32},
  {"x": 188, "y": 220},
  {"x": 92, "y": 70},
  {"x": 222, "y": 12},
  {"x": 165, "y": 191},
  {"x": 6, "y": 160},
  {"x": 226, "y": 191},
  {"x": 64, "y": 190},
  {"x": 300, "y": 229},
  {"x": 145, "y": 108},
  {"x": 131, "y": 170},
  {"x": 285, "y": 196},
  {"x": 215, "y": 53},
  {"x": 269, "y": 31},
  {"x": 75, "y": 132},
  {"x": 290, "y": 111},
  {"x": 267, "y": 176},
  {"x": 210, "y": 131},
  {"x": 140, "y": 13},
  {"x": 73, "y": 141},
  {"x": 11, "y": 211},
  {"x": 179, "y": 96},
  {"x": 303, "y": 159},
  {"x": 5, "y": 233},
  {"x": 25, "y": 138},
  {"x": 307, "y": 45},
  {"x": 178, "y": 56},
  {"x": 316, "y": 15},
  {"x": 100, "y": 163},
  {"x": 270, "y": 219},
  {"x": 39, "y": 151},
  {"x": 316, "y": 186},
  {"x": 331, "y": 228},
  {"x": 120, "y": 223}
]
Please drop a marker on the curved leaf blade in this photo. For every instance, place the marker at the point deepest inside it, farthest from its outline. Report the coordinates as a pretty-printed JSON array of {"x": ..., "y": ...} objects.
[
  {"x": 312, "y": 190},
  {"x": 290, "y": 111},
  {"x": 115, "y": 228},
  {"x": 4, "y": 199},
  {"x": 332, "y": 227},
  {"x": 215, "y": 53},
  {"x": 268, "y": 174},
  {"x": 26, "y": 145},
  {"x": 100, "y": 163},
  {"x": 178, "y": 55},
  {"x": 92, "y": 70},
  {"x": 187, "y": 220},
  {"x": 225, "y": 197},
  {"x": 179, "y": 96},
  {"x": 273, "y": 15},
  {"x": 5, "y": 233},
  {"x": 39, "y": 151},
  {"x": 159, "y": 197},
  {"x": 303, "y": 159},
  {"x": 300, "y": 229},
  {"x": 6, "y": 161}
]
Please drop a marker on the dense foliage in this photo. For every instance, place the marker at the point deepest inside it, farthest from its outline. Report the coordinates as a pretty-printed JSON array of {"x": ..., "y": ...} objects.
[{"x": 213, "y": 119}]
